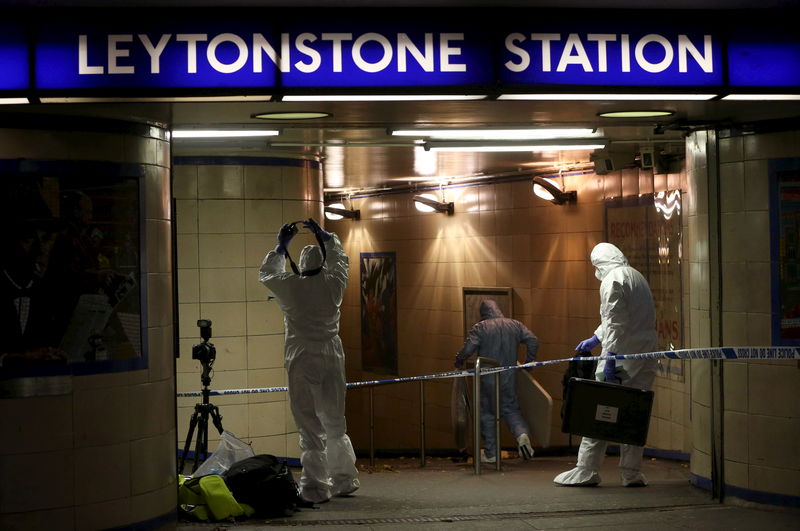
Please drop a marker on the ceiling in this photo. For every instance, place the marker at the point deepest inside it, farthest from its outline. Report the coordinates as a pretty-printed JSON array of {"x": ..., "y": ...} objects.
[
  {"x": 358, "y": 152},
  {"x": 359, "y": 155}
]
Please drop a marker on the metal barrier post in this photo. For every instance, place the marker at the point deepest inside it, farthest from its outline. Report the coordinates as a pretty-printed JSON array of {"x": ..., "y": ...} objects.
[
  {"x": 476, "y": 422},
  {"x": 371, "y": 427},
  {"x": 422, "y": 422},
  {"x": 499, "y": 451}
]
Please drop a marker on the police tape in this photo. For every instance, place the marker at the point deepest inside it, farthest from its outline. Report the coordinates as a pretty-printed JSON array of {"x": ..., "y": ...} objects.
[{"x": 721, "y": 353}]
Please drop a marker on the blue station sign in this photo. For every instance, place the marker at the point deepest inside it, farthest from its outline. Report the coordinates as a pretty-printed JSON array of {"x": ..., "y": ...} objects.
[
  {"x": 291, "y": 52},
  {"x": 13, "y": 57}
]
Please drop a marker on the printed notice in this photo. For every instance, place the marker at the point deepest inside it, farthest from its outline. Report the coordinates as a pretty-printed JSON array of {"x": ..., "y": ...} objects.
[{"x": 606, "y": 413}]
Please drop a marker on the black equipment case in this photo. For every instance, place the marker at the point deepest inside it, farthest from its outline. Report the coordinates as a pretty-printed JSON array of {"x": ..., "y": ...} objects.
[{"x": 607, "y": 411}]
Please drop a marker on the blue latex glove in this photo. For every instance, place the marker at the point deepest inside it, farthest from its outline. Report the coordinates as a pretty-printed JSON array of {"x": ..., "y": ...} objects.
[
  {"x": 314, "y": 227},
  {"x": 588, "y": 344},
  {"x": 610, "y": 370},
  {"x": 284, "y": 237},
  {"x": 459, "y": 363}
]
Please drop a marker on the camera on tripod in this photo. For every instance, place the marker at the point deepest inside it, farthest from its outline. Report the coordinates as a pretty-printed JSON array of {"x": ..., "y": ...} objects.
[{"x": 204, "y": 352}]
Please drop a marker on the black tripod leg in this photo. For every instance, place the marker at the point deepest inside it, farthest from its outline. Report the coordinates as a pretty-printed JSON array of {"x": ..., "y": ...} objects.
[
  {"x": 201, "y": 446},
  {"x": 216, "y": 418},
  {"x": 188, "y": 443}
]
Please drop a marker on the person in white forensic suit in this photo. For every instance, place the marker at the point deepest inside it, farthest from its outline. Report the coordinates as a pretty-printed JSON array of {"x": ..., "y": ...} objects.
[
  {"x": 314, "y": 358},
  {"x": 627, "y": 326}
]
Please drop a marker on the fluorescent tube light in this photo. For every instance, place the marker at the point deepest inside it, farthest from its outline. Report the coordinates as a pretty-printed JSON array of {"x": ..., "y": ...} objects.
[
  {"x": 564, "y": 144},
  {"x": 13, "y": 101},
  {"x": 762, "y": 97},
  {"x": 175, "y": 99},
  {"x": 384, "y": 97},
  {"x": 198, "y": 133},
  {"x": 497, "y": 134},
  {"x": 510, "y": 148},
  {"x": 615, "y": 97}
]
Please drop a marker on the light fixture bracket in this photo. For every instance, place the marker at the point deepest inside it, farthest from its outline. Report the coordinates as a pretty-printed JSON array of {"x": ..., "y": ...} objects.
[
  {"x": 345, "y": 213},
  {"x": 438, "y": 206},
  {"x": 560, "y": 197}
]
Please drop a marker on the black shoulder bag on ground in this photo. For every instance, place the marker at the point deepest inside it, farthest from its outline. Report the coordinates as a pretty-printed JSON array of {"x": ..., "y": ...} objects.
[{"x": 265, "y": 484}]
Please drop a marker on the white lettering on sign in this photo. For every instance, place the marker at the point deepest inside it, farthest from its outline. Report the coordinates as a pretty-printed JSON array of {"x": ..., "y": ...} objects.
[
  {"x": 446, "y": 52},
  {"x": 155, "y": 51},
  {"x": 305, "y": 52},
  {"x": 191, "y": 40},
  {"x": 606, "y": 413},
  {"x": 83, "y": 58},
  {"x": 574, "y": 54},
  {"x": 405, "y": 46},
  {"x": 114, "y": 53},
  {"x": 379, "y": 65},
  {"x": 227, "y": 68}
]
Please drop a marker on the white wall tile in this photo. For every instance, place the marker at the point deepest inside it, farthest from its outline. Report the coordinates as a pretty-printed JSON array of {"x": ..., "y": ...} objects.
[{"x": 220, "y": 182}]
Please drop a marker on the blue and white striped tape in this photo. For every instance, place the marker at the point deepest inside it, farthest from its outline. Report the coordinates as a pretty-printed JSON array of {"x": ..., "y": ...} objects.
[{"x": 721, "y": 353}]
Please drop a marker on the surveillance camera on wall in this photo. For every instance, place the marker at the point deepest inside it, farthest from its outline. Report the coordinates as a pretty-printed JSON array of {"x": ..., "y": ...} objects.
[
  {"x": 607, "y": 160},
  {"x": 647, "y": 159}
]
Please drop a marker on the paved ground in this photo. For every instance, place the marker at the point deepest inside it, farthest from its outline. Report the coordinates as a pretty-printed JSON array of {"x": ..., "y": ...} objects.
[{"x": 397, "y": 494}]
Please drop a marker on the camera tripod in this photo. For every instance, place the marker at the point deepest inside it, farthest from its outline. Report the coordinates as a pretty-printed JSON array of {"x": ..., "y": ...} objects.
[{"x": 199, "y": 420}]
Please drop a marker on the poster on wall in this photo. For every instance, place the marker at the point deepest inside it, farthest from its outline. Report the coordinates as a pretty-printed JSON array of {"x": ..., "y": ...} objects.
[
  {"x": 647, "y": 229},
  {"x": 379, "y": 312},
  {"x": 785, "y": 245},
  {"x": 70, "y": 275}
]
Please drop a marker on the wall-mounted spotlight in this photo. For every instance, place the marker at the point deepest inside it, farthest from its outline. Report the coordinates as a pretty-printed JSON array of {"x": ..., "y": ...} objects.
[
  {"x": 549, "y": 190},
  {"x": 429, "y": 203},
  {"x": 337, "y": 211}
]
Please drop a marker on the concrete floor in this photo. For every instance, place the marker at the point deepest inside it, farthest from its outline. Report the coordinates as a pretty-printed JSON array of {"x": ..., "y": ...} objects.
[{"x": 397, "y": 494}]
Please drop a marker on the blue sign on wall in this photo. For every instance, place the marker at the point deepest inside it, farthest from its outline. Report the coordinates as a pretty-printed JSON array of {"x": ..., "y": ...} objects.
[
  {"x": 764, "y": 58},
  {"x": 526, "y": 52},
  {"x": 13, "y": 58}
]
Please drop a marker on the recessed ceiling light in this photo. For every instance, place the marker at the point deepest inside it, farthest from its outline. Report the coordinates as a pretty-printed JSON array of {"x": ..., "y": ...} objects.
[
  {"x": 635, "y": 114},
  {"x": 291, "y": 115}
]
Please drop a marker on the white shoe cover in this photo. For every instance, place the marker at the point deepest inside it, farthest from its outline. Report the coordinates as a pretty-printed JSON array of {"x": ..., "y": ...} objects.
[
  {"x": 345, "y": 488},
  {"x": 487, "y": 459},
  {"x": 315, "y": 495},
  {"x": 632, "y": 478},
  {"x": 578, "y": 477},
  {"x": 525, "y": 448}
]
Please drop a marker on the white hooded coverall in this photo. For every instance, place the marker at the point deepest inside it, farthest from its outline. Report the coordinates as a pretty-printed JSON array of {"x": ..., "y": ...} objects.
[
  {"x": 314, "y": 361},
  {"x": 627, "y": 326}
]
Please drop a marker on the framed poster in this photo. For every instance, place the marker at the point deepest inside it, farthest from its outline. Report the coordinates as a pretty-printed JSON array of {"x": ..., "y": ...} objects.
[
  {"x": 379, "y": 312},
  {"x": 784, "y": 176},
  {"x": 472, "y": 303},
  {"x": 71, "y": 278},
  {"x": 647, "y": 229}
]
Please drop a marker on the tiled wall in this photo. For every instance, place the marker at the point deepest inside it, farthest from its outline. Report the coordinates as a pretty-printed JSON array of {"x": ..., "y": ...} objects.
[
  {"x": 500, "y": 235},
  {"x": 102, "y": 455},
  {"x": 228, "y": 214},
  {"x": 762, "y": 411}
]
